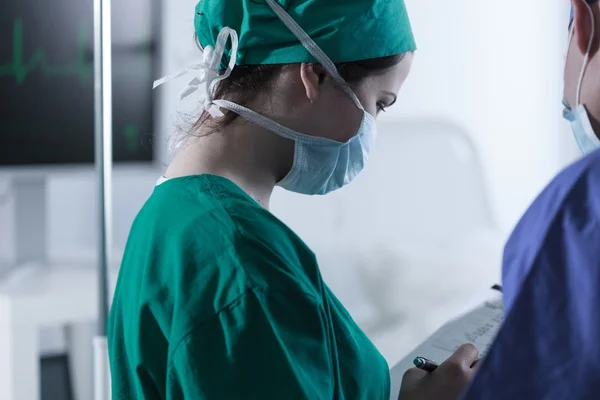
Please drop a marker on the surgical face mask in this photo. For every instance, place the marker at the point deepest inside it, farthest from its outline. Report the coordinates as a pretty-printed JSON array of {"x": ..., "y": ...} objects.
[
  {"x": 580, "y": 122},
  {"x": 582, "y": 129},
  {"x": 320, "y": 165}
]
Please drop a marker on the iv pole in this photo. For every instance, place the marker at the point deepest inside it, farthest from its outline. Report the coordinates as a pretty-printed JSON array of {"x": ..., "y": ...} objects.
[{"x": 103, "y": 160}]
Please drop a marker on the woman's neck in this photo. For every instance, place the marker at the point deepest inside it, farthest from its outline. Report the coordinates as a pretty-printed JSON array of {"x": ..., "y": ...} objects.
[{"x": 249, "y": 156}]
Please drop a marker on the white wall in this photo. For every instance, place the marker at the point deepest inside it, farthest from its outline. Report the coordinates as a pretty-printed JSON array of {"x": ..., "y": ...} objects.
[{"x": 493, "y": 68}]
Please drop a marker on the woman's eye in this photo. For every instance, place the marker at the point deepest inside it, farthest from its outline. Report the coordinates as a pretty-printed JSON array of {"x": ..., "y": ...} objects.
[{"x": 380, "y": 107}]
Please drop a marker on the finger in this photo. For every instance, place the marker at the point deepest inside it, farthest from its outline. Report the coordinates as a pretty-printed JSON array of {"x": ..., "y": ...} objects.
[
  {"x": 477, "y": 364},
  {"x": 411, "y": 380},
  {"x": 413, "y": 374},
  {"x": 465, "y": 356}
]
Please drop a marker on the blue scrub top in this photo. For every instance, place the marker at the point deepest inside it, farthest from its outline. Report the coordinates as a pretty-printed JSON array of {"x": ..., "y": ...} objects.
[{"x": 549, "y": 346}]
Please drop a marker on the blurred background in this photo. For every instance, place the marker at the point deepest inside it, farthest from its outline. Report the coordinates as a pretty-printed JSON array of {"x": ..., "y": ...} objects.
[{"x": 475, "y": 135}]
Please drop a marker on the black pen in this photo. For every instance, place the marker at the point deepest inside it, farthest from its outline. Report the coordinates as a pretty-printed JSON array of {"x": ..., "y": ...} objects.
[{"x": 425, "y": 364}]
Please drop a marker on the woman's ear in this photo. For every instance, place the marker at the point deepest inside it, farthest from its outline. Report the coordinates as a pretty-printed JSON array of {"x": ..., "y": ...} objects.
[
  {"x": 583, "y": 21},
  {"x": 312, "y": 76}
]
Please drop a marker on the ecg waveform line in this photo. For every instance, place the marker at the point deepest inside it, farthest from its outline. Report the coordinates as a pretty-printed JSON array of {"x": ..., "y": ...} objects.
[
  {"x": 20, "y": 69},
  {"x": 82, "y": 67}
]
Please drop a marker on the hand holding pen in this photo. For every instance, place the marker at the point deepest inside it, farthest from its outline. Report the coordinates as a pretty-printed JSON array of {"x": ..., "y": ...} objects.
[
  {"x": 428, "y": 365},
  {"x": 444, "y": 382},
  {"x": 425, "y": 364}
]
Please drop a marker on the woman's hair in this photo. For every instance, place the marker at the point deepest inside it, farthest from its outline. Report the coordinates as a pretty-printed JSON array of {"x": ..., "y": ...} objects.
[{"x": 246, "y": 82}]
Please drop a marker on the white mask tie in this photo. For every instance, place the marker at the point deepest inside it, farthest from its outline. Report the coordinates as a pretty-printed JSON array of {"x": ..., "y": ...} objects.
[{"x": 207, "y": 75}]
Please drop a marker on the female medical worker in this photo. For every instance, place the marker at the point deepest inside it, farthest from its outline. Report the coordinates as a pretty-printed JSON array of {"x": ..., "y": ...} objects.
[
  {"x": 218, "y": 299},
  {"x": 549, "y": 345}
]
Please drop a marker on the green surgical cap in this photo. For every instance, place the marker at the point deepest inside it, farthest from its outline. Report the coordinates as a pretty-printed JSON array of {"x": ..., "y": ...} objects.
[{"x": 346, "y": 30}]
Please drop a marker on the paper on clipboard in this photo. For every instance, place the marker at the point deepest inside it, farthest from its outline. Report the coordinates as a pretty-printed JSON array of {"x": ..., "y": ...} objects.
[{"x": 478, "y": 326}]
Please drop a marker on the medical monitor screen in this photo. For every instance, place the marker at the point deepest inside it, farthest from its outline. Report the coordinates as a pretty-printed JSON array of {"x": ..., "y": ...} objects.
[{"x": 47, "y": 81}]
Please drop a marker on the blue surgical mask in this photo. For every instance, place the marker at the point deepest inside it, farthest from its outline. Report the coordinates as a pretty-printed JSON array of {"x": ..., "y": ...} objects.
[
  {"x": 322, "y": 165},
  {"x": 582, "y": 129},
  {"x": 580, "y": 122}
]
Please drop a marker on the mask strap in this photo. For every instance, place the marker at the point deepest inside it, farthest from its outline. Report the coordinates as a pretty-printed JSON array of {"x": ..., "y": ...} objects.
[
  {"x": 313, "y": 49},
  {"x": 587, "y": 53},
  {"x": 208, "y": 75},
  {"x": 266, "y": 123}
]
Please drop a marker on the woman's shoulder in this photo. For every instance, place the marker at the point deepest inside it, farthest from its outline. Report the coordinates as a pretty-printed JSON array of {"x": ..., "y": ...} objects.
[
  {"x": 211, "y": 215},
  {"x": 205, "y": 238}
]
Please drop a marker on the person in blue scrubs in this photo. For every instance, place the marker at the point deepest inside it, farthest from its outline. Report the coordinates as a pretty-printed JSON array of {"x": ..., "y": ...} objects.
[{"x": 549, "y": 345}]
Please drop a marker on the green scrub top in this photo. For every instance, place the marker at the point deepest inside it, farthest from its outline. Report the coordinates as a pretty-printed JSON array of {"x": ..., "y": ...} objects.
[{"x": 218, "y": 299}]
